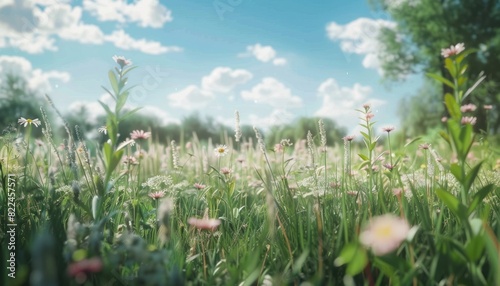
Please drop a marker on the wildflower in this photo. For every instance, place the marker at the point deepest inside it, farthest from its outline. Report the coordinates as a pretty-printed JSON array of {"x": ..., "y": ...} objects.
[
  {"x": 199, "y": 186},
  {"x": 237, "y": 129},
  {"x": 130, "y": 160},
  {"x": 397, "y": 192},
  {"x": 322, "y": 132},
  {"x": 348, "y": 138},
  {"x": 388, "y": 128},
  {"x": 225, "y": 170},
  {"x": 80, "y": 269},
  {"x": 175, "y": 154},
  {"x": 389, "y": 166},
  {"x": 157, "y": 195},
  {"x": 103, "y": 129},
  {"x": 352, "y": 193},
  {"x": 424, "y": 146},
  {"x": 369, "y": 116},
  {"x": 23, "y": 121},
  {"x": 140, "y": 134},
  {"x": 468, "y": 108},
  {"x": 221, "y": 150},
  {"x": 469, "y": 120},
  {"x": 366, "y": 106},
  {"x": 444, "y": 119},
  {"x": 384, "y": 234},
  {"x": 122, "y": 61},
  {"x": 453, "y": 50},
  {"x": 488, "y": 107},
  {"x": 278, "y": 148},
  {"x": 240, "y": 160},
  {"x": 205, "y": 223},
  {"x": 260, "y": 140}
]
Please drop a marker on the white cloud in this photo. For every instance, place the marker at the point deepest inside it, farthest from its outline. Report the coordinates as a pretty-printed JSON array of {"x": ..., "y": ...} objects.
[
  {"x": 190, "y": 98},
  {"x": 279, "y": 61},
  {"x": 224, "y": 79},
  {"x": 221, "y": 79},
  {"x": 272, "y": 92},
  {"x": 34, "y": 28},
  {"x": 340, "y": 103},
  {"x": 124, "y": 41},
  {"x": 360, "y": 37},
  {"x": 264, "y": 54},
  {"x": 38, "y": 81},
  {"x": 147, "y": 13},
  {"x": 276, "y": 117}
]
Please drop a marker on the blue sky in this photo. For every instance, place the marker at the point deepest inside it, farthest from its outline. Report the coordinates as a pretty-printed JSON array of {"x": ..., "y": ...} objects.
[{"x": 271, "y": 60}]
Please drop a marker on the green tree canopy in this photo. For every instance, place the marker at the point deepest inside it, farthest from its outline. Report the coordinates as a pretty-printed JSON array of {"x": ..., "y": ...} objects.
[{"x": 424, "y": 27}]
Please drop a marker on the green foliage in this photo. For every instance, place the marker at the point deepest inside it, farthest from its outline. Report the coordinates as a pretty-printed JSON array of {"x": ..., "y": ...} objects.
[{"x": 425, "y": 27}]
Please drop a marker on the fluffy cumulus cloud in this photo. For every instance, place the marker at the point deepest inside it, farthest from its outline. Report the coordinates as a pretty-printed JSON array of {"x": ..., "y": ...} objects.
[
  {"x": 190, "y": 98},
  {"x": 224, "y": 79},
  {"x": 277, "y": 117},
  {"x": 34, "y": 26},
  {"x": 272, "y": 92},
  {"x": 220, "y": 80},
  {"x": 264, "y": 54},
  {"x": 340, "y": 103},
  {"x": 38, "y": 81},
  {"x": 146, "y": 13},
  {"x": 360, "y": 37}
]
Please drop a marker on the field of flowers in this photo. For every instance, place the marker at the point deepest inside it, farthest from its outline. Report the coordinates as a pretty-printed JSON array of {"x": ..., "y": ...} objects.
[{"x": 138, "y": 211}]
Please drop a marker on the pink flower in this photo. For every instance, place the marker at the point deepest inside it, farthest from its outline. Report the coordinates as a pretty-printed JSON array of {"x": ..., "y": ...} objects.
[
  {"x": 130, "y": 160},
  {"x": 80, "y": 269},
  {"x": 199, "y": 186},
  {"x": 468, "y": 120},
  {"x": 388, "y": 128},
  {"x": 389, "y": 166},
  {"x": 369, "y": 116},
  {"x": 225, "y": 170},
  {"x": 384, "y": 234},
  {"x": 278, "y": 148},
  {"x": 157, "y": 195},
  {"x": 424, "y": 146},
  {"x": 140, "y": 134},
  {"x": 453, "y": 50},
  {"x": 468, "y": 108},
  {"x": 205, "y": 223},
  {"x": 348, "y": 138},
  {"x": 122, "y": 61}
]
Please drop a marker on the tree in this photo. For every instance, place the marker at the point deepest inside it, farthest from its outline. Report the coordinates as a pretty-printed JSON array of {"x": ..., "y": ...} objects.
[
  {"x": 424, "y": 27},
  {"x": 17, "y": 100},
  {"x": 421, "y": 112}
]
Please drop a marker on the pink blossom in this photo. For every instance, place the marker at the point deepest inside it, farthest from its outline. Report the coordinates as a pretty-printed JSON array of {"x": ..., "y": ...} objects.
[
  {"x": 384, "y": 234},
  {"x": 348, "y": 138},
  {"x": 488, "y": 107},
  {"x": 278, "y": 148},
  {"x": 453, "y": 50},
  {"x": 225, "y": 170},
  {"x": 157, "y": 195},
  {"x": 388, "y": 128},
  {"x": 205, "y": 223},
  {"x": 80, "y": 269},
  {"x": 369, "y": 116},
  {"x": 468, "y": 108},
  {"x": 468, "y": 120},
  {"x": 140, "y": 134},
  {"x": 122, "y": 61},
  {"x": 199, "y": 186}
]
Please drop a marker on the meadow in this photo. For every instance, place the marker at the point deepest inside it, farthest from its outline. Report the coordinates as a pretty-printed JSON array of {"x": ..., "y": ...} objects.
[{"x": 366, "y": 210}]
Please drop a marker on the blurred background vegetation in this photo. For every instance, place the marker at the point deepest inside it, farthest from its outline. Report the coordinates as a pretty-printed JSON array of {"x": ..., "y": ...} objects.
[{"x": 411, "y": 48}]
